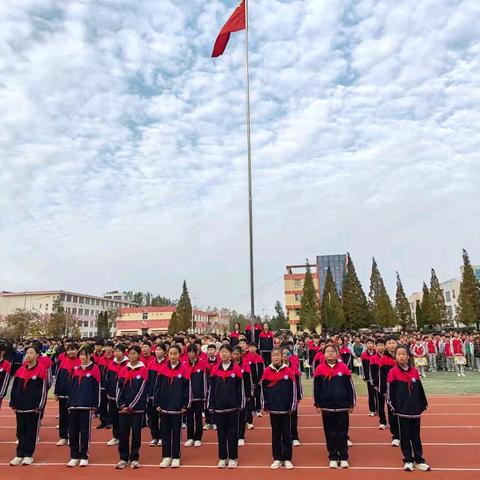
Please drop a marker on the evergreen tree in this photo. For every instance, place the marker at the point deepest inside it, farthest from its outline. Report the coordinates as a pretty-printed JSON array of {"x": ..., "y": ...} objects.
[
  {"x": 427, "y": 307},
  {"x": 380, "y": 305},
  {"x": 402, "y": 306},
  {"x": 309, "y": 306},
  {"x": 419, "y": 315},
  {"x": 184, "y": 310},
  {"x": 439, "y": 309},
  {"x": 102, "y": 325},
  {"x": 468, "y": 310},
  {"x": 332, "y": 312},
  {"x": 57, "y": 324},
  {"x": 173, "y": 324},
  {"x": 355, "y": 305},
  {"x": 279, "y": 321}
]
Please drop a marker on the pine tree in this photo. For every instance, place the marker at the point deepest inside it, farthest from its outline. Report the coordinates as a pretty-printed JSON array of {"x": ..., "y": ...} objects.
[
  {"x": 355, "y": 305},
  {"x": 184, "y": 310},
  {"x": 427, "y": 307},
  {"x": 332, "y": 312},
  {"x": 309, "y": 306},
  {"x": 173, "y": 324},
  {"x": 58, "y": 320},
  {"x": 402, "y": 306},
  {"x": 279, "y": 321},
  {"x": 380, "y": 305},
  {"x": 419, "y": 315},
  {"x": 468, "y": 310},
  {"x": 102, "y": 325},
  {"x": 439, "y": 309}
]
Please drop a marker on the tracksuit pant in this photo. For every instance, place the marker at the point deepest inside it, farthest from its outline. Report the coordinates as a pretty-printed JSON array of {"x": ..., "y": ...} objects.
[
  {"x": 372, "y": 404},
  {"x": 249, "y": 408},
  {"x": 114, "y": 416},
  {"x": 410, "y": 443},
  {"x": 382, "y": 419},
  {"x": 195, "y": 421},
  {"x": 335, "y": 427},
  {"x": 28, "y": 426},
  {"x": 393, "y": 423},
  {"x": 153, "y": 416},
  {"x": 130, "y": 428},
  {"x": 103, "y": 412},
  {"x": 294, "y": 425},
  {"x": 171, "y": 434},
  {"x": 63, "y": 418},
  {"x": 227, "y": 433},
  {"x": 267, "y": 357},
  {"x": 80, "y": 426},
  {"x": 281, "y": 436},
  {"x": 257, "y": 392},
  {"x": 241, "y": 423}
]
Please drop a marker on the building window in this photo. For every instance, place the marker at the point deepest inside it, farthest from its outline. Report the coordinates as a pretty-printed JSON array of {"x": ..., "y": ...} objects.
[
  {"x": 74, "y": 311},
  {"x": 62, "y": 297},
  {"x": 87, "y": 301},
  {"x": 447, "y": 297},
  {"x": 74, "y": 299},
  {"x": 453, "y": 293},
  {"x": 69, "y": 298},
  {"x": 298, "y": 283},
  {"x": 298, "y": 297},
  {"x": 80, "y": 311},
  {"x": 145, "y": 315},
  {"x": 69, "y": 310},
  {"x": 92, "y": 313}
]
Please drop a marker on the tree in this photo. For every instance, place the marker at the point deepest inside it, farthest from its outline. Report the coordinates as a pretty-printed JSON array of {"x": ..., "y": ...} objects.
[
  {"x": 279, "y": 321},
  {"x": 380, "y": 305},
  {"x": 309, "y": 305},
  {"x": 419, "y": 315},
  {"x": 355, "y": 305},
  {"x": 184, "y": 310},
  {"x": 173, "y": 324},
  {"x": 427, "y": 308},
  {"x": 402, "y": 306},
  {"x": 238, "y": 317},
  {"x": 58, "y": 320},
  {"x": 21, "y": 323},
  {"x": 331, "y": 310},
  {"x": 468, "y": 309},
  {"x": 103, "y": 330},
  {"x": 438, "y": 307},
  {"x": 159, "y": 301}
]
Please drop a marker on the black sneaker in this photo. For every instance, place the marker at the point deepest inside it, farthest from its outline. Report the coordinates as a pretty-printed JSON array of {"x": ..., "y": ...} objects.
[{"x": 108, "y": 427}]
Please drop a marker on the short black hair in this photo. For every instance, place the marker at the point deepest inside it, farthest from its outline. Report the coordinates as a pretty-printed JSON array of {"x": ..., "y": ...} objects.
[{"x": 136, "y": 348}]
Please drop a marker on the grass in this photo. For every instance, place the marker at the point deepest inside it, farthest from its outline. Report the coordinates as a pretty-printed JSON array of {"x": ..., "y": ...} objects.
[{"x": 443, "y": 383}]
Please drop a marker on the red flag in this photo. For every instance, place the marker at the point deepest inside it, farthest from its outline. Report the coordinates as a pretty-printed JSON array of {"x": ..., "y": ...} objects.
[{"x": 235, "y": 23}]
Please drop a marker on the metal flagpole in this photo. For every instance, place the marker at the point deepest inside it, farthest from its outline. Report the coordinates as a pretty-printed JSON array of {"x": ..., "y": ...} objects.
[{"x": 250, "y": 195}]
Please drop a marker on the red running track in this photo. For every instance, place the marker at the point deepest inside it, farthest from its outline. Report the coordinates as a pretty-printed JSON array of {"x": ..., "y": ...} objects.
[{"x": 450, "y": 434}]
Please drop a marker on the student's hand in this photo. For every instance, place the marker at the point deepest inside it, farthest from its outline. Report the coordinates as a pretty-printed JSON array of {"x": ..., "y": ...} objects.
[
  {"x": 158, "y": 409},
  {"x": 319, "y": 409},
  {"x": 350, "y": 410},
  {"x": 56, "y": 398},
  {"x": 183, "y": 410},
  {"x": 124, "y": 409}
]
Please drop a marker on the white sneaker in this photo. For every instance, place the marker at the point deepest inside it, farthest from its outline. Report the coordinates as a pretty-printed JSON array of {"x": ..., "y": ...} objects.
[
  {"x": 214, "y": 427},
  {"x": 16, "y": 461},
  {"x": 62, "y": 442},
  {"x": 232, "y": 464},
  {"x": 295, "y": 443},
  {"x": 395, "y": 443},
  {"x": 250, "y": 426},
  {"x": 463, "y": 374},
  {"x": 458, "y": 375},
  {"x": 371, "y": 414},
  {"x": 241, "y": 442},
  {"x": 16, "y": 442},
  {"x": 153, "y": 443},
  {"x": 408, "y": 467},
  {"x": 135, "y": 464},
  {"x": 333, "y": 464},
  {"x": 349, "y": 443},
  {"x": 74, "y": 462},
  {"x": 175, "y": 463},
  {"x": 221, "y": 464},
  {"x": 422, "y": 466},
  {"x": 382, "y": 426},
  {"x": 184, "y": 425},
  {"x": 276, "y": 465},
  {"x": 159, "y": 443},
  {"x": 344, "y": 464},
  {"x": 166, "y": 462},
  {"x": 121, "y": 465},
  {"x": 288, "y": 465},
  {"x": 27, "y": 461},
  {"x": 112, "y": 442},
  {"x": 84, "y": 462},
  {"x": 197, "y": 443},
  {"x": 189, "y": 443},
  {"x": 259, "y": 414}
]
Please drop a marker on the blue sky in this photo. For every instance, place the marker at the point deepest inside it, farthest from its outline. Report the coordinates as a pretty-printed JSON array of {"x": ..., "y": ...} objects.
[{"x": 122, "y": 146}]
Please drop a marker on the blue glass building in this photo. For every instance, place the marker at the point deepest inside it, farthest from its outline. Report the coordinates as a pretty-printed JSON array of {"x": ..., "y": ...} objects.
[{"x": 337, "y": 264}]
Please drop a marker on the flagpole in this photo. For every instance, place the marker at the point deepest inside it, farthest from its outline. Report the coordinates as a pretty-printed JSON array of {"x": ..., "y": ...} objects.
[{"x": 250, "y": 194}]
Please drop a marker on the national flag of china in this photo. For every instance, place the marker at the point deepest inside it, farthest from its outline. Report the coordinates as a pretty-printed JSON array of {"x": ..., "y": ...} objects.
[{"x": 234, "y": 24}]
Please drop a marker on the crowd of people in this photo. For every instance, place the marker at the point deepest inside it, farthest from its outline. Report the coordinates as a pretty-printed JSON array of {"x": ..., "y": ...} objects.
[{"x": 200, "y": 382}]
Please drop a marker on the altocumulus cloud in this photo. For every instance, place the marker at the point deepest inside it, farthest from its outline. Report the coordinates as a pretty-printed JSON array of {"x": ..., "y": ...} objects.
[{"x": 122, "y": 151}]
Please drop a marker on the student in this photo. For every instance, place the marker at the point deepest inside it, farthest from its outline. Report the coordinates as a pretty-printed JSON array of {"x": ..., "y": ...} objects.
[
  {"x": 198, "y": 381},
  {"x": 226, "y": 397},
  {"x": 131, "y": 403},
  {"x": 257, "y": 367},
  {"x": 448, "y": 352},
  {"x": 5, "y": 371},
  {"x": 212, "y": 360},
  {"x": 172, "y": 397},
  {"x": 279, "y": 394},
  {"x": 419, "y": 351},
  {"x": 407, "y": 399},
  {"x": 103, "y": 362},
  {"x": 457, "y": 348},
  {"x": 62, "y": 389},
  {"x": 334, "y": 395},
  {"x": 387, "y": 362},
  {"x": 318, "y": 359},
  {"x": 234, "y": 334},
  {"x": 111, "y": 379},
  {"x": 84, "y": 398},
  {"x": 265, "y": 343},
  {"x": 248, "y": 393},
  {"x": 366, "y": 357},
  {"x": 345, "y": 353},
  {"x": 432, "y": 353},
  {"x": 375, "y": 381},
  {"x": 286, "y": 358},
  {"x": 98, "y": 350},
  {"x": 248, "y": 332},
  {"x": 153, "y": 414},
  {"x": 27, "y": 399}
]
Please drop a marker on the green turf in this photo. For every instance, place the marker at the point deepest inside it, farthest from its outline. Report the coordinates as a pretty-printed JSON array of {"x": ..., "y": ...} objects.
[{"x": 435, "y": 384}]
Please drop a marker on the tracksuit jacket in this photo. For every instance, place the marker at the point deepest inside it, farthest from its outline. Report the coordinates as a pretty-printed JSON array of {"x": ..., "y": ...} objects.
[
  {"x": 172, "y": 389},
  {"x": 131, "y": 388},
  {"x": 5, "y": 369},
  {"x": 386, "y": 363},
  {"x": 85, "y": 392},
  {"x": 111, "y": 376},
  {"x": 63, "y": 384},
  {"x": 226, "y": 390},
  {"x": 279, "y": 389},
  {"x": 29, "y": 389},
  {"x": 198, "y": 379}
]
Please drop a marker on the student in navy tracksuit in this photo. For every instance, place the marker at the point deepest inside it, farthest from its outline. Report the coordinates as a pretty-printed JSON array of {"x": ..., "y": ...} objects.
[
  {"x": 172, "y": 397},
  {"x": 198, "y": 380},
  {"x": 63, "y": 386},
  {"x": 226, "y": 397},
  {"x": 387, "y": 362},
  {"x": 212, "y": 360},
  {"x": 257, "y": 368},
  {"x": 152, "y": 413},
  {"x": 103, "y": 363},
  {"x": 248, "y": 392},
  {"x": 375, "y": 382},
  {"x": 287, "y": 360},
  {"x": 334, "y": 395},
  {"x": 265, "y": 343},
  {"x": 131, "y": 402},
  {"x": 83, "y": 400},
  {"x": 27, "y": 399},
  {"x": 5, "y": 372},
  {"x": 406, "y": 397},
  {"x": 365, "y": 358},
  {"x": 235, "y": 334},
  {"x": 110, "y": 380},
  {"x": 279, "y": 395}
]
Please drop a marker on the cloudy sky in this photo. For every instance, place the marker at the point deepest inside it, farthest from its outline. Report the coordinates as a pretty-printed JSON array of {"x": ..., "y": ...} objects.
[{"x": 122, "y": 143}]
